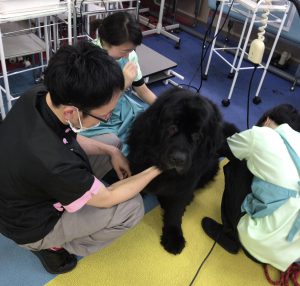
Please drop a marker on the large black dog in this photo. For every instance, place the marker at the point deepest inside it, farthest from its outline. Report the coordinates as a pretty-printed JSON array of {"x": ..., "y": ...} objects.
[{"x": 180, "y": 133}]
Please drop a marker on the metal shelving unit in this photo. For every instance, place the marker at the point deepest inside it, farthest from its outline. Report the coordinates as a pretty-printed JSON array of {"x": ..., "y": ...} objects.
[
  {"x": 159, "y": 28},
  {"x": 22, "y": 34},
  {"x": 85, "y": 9},
  {"x": 35, "y": 31}
]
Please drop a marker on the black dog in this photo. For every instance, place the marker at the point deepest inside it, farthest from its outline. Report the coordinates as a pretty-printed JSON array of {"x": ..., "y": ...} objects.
[{"x": 180, "y": 133}]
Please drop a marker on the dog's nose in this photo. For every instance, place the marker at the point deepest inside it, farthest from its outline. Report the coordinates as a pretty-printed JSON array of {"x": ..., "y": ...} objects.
[{"x": 177, "y": 158}]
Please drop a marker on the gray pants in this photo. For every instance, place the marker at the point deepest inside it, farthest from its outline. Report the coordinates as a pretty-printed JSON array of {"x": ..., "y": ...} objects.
[
  {"x": 100, "y": 163},
  {"x": 91, "y": 228}
]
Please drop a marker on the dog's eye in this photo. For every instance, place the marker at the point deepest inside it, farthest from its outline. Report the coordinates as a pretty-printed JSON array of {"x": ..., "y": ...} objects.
[
  {"x": 172, "y": 130},
  {"x": 196, "y": 137}
]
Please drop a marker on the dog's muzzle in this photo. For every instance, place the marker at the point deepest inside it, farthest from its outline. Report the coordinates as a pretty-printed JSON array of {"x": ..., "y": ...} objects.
[{"x": 177, "y": 160}]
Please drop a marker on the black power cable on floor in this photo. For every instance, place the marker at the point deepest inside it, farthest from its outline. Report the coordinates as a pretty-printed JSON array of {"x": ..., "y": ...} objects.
[
  {"x": 208, "y": 30},
  {"x": 207, "y": 48},
  {"x": 206, "y": 257},
  {"x": 249, "y": 92},
  {"x": 202, "y": 48},
  {"x": 203, "y": 54},
  {"x": 202, "y": 263}
]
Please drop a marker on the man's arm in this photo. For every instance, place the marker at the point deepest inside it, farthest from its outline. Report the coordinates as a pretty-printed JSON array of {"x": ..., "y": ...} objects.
[
  {"x": 94, "y": 147},
  {"x": 123, "y": 190},
  {"x": 228, "y": 129},
  {"x": 118, "y": 160}
]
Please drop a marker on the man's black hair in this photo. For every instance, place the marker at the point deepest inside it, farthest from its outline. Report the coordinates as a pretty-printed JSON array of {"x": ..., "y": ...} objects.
[
  {"x": 283, "y": 113},
  {"x": 119, "y": 28},
  {"x": 83, "y": 75}
]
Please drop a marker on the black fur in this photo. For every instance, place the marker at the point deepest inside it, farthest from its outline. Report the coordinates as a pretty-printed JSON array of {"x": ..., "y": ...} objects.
[{"x": 180, "y": 133}]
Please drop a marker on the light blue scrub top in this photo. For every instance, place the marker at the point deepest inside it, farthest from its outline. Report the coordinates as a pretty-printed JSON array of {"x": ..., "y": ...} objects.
[{"x": 122, "y": 116}]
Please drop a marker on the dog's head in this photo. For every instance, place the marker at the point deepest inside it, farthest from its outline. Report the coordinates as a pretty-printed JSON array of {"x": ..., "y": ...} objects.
[{"x": 176, "y": 129}]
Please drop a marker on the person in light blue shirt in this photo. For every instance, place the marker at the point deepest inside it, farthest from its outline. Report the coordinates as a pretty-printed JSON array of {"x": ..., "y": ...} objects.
[
  {"x": 119, "y": 34},
  {"x": 261, "y": 201}
]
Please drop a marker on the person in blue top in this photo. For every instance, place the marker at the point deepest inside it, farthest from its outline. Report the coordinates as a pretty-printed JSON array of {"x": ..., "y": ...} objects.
[
  {"x": 261, "y": 202},
  {"x": 119, "y": 34}
]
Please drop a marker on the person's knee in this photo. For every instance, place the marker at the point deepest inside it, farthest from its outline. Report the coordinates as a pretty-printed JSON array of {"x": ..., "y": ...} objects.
[
  {"x": 136, "y": 212},
  {"x": 115, "y": 141},
  {"x": 101, "y": 164},
  {"x": 110, "y": 139}
]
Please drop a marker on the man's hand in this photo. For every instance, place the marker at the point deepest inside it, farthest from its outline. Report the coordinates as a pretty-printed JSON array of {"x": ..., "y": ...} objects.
[
  {"x": 130, "y": 73},
  {"x": 120, "y": 164}
]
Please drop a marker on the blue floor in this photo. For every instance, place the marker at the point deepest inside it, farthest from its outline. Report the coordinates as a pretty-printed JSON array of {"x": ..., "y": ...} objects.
[
  {"x": 274, "y": 91},
  {"x": 19, "y": 267}
]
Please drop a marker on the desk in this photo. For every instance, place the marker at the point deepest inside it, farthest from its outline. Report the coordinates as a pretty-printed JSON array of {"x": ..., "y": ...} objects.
[{"x": 154, "y": 66}]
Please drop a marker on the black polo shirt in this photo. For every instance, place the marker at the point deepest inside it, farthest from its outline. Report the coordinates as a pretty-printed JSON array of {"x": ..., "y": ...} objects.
[{"x": 41, "y": 164}]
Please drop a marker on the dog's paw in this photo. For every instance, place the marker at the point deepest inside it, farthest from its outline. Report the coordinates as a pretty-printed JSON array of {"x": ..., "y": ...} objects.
[{"x": 172, "y": 240}]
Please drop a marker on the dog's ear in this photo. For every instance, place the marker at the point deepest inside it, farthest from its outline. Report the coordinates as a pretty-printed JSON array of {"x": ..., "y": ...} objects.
[
  {"x": 146, "y": 121},
  {"x": 229, "y": 129},
  {"x": 211, "y": 127}
]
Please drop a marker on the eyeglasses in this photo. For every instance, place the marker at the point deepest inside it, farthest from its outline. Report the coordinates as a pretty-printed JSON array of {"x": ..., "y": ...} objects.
[{"x": 101, "y": 119}]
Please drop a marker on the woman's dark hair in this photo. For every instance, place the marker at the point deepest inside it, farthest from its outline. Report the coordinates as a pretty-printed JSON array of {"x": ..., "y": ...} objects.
[
  {"x": 119, "y": 28},
  {"x": 283, "y": 113},
  {"x": 82, "y": 75}
]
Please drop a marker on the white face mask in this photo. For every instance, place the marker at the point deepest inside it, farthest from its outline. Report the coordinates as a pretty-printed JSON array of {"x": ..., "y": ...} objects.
[{"x": 81, "y": 129}]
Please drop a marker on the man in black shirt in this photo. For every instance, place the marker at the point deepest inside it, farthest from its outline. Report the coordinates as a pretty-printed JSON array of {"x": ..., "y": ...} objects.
[{"x": 51, "y": 202}]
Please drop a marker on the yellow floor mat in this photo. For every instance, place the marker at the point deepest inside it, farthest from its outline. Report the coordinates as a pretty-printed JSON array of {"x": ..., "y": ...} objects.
[{"x": 137, "y": 258}]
